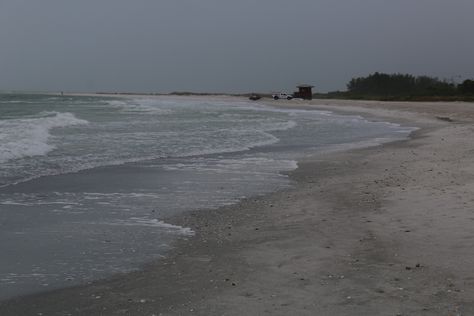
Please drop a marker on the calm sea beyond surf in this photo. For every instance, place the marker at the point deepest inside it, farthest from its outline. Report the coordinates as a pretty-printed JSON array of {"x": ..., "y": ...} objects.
[{"x": 86, "y": 183}]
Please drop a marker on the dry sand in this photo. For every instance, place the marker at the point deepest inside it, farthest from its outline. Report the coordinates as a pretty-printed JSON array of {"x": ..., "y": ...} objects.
[{"x": 386, "y": 230}]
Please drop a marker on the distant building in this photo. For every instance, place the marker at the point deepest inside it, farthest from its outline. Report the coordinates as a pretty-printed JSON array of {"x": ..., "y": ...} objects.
[{"x": 304, "y": 92}]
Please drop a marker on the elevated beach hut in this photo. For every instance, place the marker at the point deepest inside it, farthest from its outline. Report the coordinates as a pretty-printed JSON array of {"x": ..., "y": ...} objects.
[{"x": 305, "y": 91}]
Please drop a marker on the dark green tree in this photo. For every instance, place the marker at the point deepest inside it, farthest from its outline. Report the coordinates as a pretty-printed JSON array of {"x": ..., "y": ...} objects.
[
  {"x": 467, "y": 87},
  {"x": 399, "y": 85}
]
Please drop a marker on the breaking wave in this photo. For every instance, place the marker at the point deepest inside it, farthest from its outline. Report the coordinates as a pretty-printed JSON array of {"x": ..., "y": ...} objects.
[{"x": 30, "y": 137}]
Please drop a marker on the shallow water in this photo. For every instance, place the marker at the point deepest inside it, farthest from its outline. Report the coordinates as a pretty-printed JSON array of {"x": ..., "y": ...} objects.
[{"x": 87, "y": 181}]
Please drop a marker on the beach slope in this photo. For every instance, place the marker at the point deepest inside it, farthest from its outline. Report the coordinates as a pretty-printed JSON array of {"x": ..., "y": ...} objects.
[{"x": 385, "y": 230}]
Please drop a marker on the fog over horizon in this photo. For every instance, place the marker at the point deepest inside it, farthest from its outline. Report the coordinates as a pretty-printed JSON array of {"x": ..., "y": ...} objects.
[{"x": 228, "y": 46}]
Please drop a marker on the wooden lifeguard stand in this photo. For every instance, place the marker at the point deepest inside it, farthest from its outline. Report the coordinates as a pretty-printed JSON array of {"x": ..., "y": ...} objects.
[{"x": 305, "y": 92}]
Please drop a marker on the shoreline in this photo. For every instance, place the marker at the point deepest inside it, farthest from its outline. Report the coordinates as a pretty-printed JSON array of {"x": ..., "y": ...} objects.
[{"x": 339, "y": 243}]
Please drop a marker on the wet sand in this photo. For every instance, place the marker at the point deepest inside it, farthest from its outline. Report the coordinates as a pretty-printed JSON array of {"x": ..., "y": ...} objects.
[{"x": 386, "y": 230}]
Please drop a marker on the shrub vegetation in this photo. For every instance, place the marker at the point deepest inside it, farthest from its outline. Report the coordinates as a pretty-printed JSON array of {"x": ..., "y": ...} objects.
[{"x": 404, "y": 87}]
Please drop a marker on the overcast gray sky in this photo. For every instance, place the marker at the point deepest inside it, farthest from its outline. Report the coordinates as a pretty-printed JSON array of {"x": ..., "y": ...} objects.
[{"x": 228, "y": 46}]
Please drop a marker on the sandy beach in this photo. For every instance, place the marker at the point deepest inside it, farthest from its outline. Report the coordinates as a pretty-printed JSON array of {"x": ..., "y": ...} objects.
[{"x": 385, "y": 230}]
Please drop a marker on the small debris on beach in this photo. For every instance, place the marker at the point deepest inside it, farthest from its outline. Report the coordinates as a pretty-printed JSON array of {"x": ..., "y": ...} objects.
[{"x": 445, "y": 118}]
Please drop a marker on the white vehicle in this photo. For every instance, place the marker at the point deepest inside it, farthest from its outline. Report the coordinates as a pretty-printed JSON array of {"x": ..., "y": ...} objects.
[{"x": 281, "y": 95}]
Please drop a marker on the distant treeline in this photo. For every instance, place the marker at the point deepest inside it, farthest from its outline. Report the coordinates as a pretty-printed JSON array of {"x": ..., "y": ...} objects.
[{"x": 383, "y": 86}]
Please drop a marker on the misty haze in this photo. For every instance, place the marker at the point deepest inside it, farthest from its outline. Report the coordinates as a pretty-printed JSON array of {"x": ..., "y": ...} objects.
[
  {"x": 307, "y": 157},
  {"x": 228, "y": 46}
]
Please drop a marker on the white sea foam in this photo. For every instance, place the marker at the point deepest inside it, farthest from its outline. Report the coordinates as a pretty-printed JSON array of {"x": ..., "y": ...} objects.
[
  {"x": 279, "y": 126},
  {"x": 145, "y": 106},
  {"x": 195, "y": 128},
  {"x": 14, "y": 203},
  {"x": 223, "y": 148},
  {"x": 257, "y": 165},
  {"x": 364, "y": 143},
  {"x": 29, "y": 137},
  {"x": 147, "y": 222},
  {"x": 291, "y": 112}
]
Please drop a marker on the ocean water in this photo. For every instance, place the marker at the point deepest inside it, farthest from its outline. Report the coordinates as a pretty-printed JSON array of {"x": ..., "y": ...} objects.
[{"x": 87, "y": 182}]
